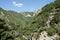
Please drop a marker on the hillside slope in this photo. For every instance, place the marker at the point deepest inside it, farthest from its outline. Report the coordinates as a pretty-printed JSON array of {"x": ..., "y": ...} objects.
[{"x": 47, "y": 22}]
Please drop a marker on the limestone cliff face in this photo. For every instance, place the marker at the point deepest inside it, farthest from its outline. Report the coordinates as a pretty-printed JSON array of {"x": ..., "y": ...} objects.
[
  {"x": 43, "y": 36},
  {"x": 38, "y": 11}
]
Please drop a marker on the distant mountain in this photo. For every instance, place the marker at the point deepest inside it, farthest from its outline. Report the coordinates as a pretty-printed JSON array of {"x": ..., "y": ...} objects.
[
  {"x": 27, "y": 13},
  {"x": 17, "y": 17}
]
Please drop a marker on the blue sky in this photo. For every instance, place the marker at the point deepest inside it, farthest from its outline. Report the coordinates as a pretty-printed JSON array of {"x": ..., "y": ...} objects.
[{"x": 23, "y": 5}]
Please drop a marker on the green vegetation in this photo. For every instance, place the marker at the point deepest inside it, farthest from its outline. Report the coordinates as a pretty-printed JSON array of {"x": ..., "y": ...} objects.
[
  {"x": 51, "y": 31},
  {"x": 15, "y": 25}
]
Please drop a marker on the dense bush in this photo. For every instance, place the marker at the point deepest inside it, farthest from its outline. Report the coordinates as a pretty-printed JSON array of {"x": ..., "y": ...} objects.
[{"x": 51, "y": 31}]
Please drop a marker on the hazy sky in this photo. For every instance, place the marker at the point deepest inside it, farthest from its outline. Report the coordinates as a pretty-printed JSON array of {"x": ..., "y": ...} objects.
[{"x": 23, "y": 5}]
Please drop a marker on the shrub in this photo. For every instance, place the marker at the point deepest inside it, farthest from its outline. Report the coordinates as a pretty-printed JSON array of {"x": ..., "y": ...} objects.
[{"x": 51, "y": 31}]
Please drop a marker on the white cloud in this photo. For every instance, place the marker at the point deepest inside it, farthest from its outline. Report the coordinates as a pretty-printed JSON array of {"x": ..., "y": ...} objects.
[{"x": 17, "y": 4}]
